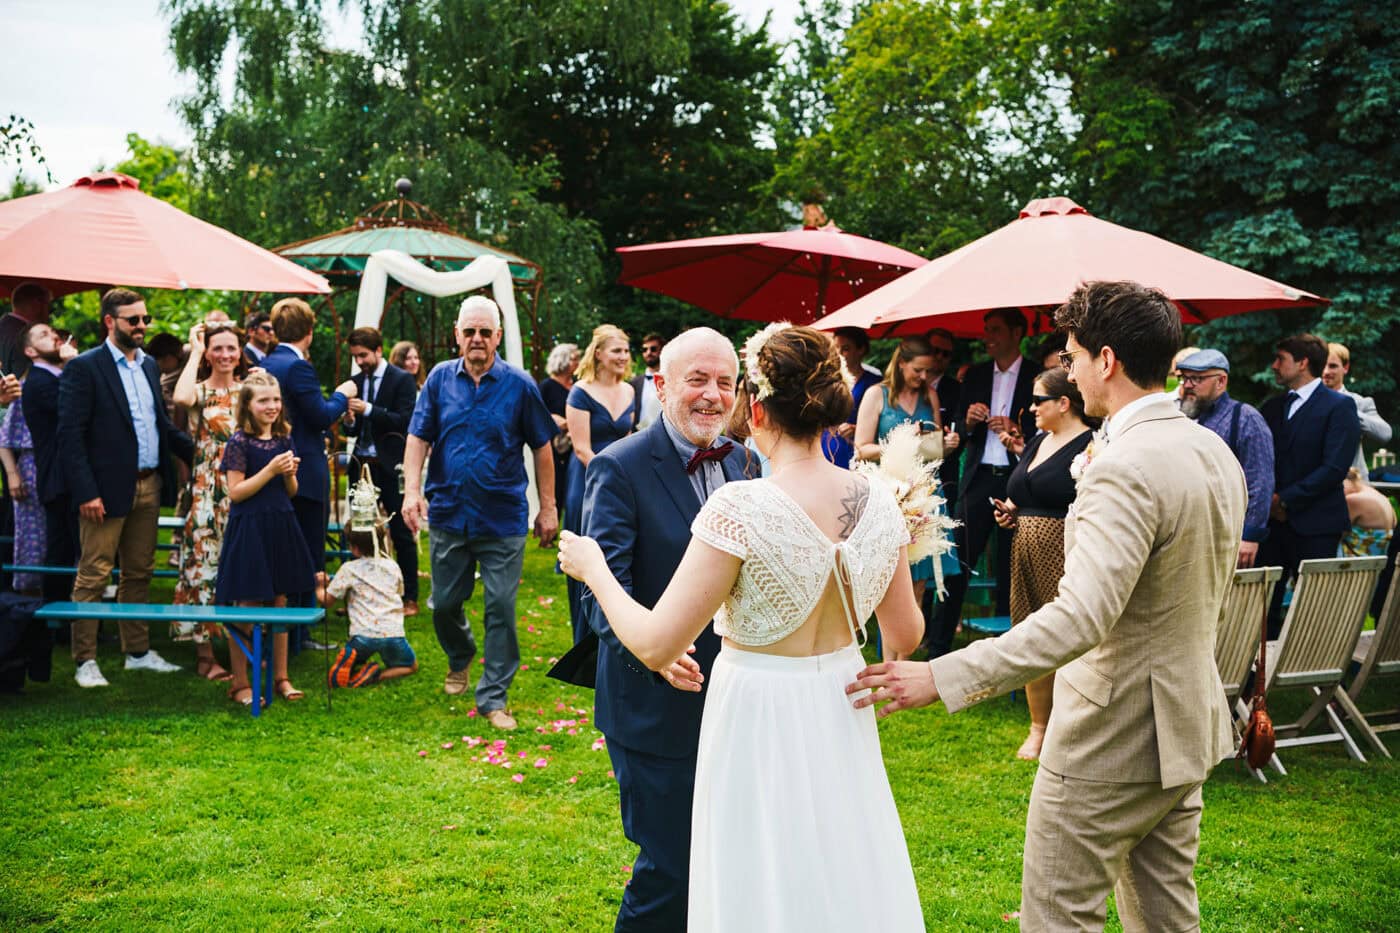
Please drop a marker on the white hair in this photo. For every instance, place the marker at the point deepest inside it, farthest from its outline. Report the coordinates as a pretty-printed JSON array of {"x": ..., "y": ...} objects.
[
  {"x": 560, "y": 358},
  {"x": 478, "y": 303},
  {"x": 684, "y": 345}
]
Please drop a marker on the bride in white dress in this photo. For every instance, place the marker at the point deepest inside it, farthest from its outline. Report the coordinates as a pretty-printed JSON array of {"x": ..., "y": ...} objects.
[{"x": 793, "y": 826}]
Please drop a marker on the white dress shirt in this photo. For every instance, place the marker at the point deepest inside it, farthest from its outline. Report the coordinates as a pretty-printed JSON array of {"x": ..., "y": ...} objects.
[
  {"x": 1304, "y": 393},
  {"x": 1003, "y": 390},
  {"x": 650, "y": 405}
]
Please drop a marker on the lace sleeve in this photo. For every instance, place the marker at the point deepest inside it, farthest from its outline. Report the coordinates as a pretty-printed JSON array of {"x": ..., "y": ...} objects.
[
  {"x": 720, "y": 523},
  {"x": 235, "y": 454}
]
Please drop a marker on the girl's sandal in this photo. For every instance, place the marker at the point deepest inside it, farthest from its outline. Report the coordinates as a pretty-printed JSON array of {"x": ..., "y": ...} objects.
[
  {"x": 209, "y": 669},
  {"x": 241, "y": 695},
  {"x": 287, "y": 692}
]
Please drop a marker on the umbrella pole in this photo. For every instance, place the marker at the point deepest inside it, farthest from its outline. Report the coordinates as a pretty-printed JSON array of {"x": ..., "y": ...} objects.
[{"x": 823, "y": 280}]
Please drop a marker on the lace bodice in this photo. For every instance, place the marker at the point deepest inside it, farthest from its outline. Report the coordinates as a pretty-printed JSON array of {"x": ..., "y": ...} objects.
[{"x": 788, "y": 561}]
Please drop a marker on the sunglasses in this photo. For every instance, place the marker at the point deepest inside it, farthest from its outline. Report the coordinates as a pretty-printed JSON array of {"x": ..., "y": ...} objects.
[
  {"x": 939, "y": 351},
  {"x": 134, "y": 319},
  {"x": 476, "y": 331},
  {"x": 1067, "y": 358},
  {"x": 1037, "y": 399}
]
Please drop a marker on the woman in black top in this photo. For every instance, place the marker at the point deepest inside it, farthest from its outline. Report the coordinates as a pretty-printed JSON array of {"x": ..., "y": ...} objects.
[{"x": 1038, "y": 495}]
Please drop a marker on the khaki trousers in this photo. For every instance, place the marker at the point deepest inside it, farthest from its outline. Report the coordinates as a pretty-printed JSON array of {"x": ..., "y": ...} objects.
[
  {"x": 131, "y": 537},
  {"x": 1084, "y": 838}
]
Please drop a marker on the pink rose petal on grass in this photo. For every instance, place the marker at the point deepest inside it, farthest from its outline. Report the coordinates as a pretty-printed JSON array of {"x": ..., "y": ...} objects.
[
  {"x": 518, "y": 778},
  {"x": 546, "y": 600},
  {"x": 600, "y": 743},
  {"x": 446, "y": 746},
  {"x": 524, "y": 667},
  {"x": 572, "y": 780},
  {"x": 471, "y": 714},
  {"x": 522, "y": 754},
  {"x": 423, "y": 753},
  {"x": 627, "y": 868},
  {"x": 530, "y": 629},
  {"x": 611, "y": 774},
  {"x": 541, "y": 762},
  {"x": 449, "y": 827}
]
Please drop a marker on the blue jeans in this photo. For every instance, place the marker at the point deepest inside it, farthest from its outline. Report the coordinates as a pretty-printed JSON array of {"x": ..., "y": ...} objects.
[{"x": 453, "y": 560}]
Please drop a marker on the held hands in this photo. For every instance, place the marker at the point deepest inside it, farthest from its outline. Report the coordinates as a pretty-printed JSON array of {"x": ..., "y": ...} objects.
[
  {"x": 896, "y": 685},
  {"x": 581, "y": 557},
  {"x": 357, "y": 406},
  {"x": 977, "y": 413},
  {"x": 684, "y": 674}
]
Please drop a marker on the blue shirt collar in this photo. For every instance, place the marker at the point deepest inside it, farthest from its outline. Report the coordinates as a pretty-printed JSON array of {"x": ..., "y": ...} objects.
[{"x": 119, "y": 357}]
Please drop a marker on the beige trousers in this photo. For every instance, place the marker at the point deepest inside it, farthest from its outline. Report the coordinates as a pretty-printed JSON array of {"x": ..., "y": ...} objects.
[
  {"x": 132, "y": 538},
  {"x": 1084, "y": 838}
]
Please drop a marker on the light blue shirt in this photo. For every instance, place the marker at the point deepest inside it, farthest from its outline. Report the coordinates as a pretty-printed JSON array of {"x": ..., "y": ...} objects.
[
  {"x": 710, "y": 475},
  {"x": 142, "y": 404}
]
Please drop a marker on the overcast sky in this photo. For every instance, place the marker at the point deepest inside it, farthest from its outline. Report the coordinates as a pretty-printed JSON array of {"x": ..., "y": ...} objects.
[{"x": 87, "y": 72}]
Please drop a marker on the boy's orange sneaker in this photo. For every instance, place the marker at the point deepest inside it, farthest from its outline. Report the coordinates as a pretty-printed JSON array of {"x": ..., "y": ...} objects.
[
  {"x": 339, "y": 675},
  {"x": 366, "y": 675}
]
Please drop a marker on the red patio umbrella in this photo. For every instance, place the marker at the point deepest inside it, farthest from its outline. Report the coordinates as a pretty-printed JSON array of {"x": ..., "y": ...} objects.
[
  {"x": 795, "y": 275},
  {"x": 1037, "y": 260},
  {"x": 103, "y": 231}
]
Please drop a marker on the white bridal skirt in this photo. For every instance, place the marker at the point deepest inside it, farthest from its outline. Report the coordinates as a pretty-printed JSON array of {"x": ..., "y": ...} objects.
[{"x": 794, "y": 827}]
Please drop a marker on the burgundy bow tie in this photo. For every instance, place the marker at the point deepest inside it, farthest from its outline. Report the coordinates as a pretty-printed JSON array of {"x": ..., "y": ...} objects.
[{"x": 711, "y": 453}]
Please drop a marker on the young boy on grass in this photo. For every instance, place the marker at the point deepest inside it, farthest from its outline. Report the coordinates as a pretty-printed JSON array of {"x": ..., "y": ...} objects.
[{"x": 372, "y": 587}]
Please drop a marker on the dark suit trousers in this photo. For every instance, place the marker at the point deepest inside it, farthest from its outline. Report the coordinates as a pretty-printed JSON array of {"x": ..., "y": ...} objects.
[
  {"x": 1383, "y": 584},
  {"x": 405, "y": 547},
  {"x": 311, "y": 518},
  {"x": 60, "y": 548},
  {"x": 1286, "y": 548},
  {"x": 971, "y": 537},
  {"x": 656, "y": 795}
]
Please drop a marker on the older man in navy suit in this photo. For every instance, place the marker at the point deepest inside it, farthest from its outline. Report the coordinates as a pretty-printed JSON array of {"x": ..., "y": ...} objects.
[
  {"x": 115, "y": 441},
  {"x": 310, "y": 414},
  {"x": 640, "y": 496},
  {"x": 1316, "y": 433}
]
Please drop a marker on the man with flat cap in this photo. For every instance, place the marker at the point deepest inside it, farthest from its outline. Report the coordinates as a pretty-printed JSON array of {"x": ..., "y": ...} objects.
[{"x": 1205, "y": 399}]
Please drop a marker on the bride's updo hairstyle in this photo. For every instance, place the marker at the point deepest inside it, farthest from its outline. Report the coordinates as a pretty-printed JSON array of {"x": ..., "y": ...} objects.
[{"x": 809, "y": 392}]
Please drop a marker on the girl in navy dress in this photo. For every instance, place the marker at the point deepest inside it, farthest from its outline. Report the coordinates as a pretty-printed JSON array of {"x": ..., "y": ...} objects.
[{"x": 264, "y": 556}]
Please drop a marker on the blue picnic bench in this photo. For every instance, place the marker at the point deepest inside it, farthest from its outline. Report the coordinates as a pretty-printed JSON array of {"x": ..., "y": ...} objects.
[{"x": 55, "y": 614}]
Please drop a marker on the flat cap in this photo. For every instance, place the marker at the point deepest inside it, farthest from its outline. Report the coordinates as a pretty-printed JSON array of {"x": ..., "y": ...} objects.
[{"x": 1202, "y": 360}]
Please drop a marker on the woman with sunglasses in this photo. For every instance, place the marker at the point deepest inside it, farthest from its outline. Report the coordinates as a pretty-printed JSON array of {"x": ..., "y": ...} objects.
[
  {"x": 207, "y": 390},
  {"x": 1038, "y": 495}
]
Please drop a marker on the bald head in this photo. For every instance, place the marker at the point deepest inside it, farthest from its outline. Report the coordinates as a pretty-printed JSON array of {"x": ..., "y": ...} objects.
[
  {"x": 699, "y": 370},
  {"x": 676, "y": 355}
]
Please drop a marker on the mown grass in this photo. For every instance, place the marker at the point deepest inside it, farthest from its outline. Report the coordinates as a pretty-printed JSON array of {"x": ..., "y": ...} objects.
[{"x": 156, "y": 804}]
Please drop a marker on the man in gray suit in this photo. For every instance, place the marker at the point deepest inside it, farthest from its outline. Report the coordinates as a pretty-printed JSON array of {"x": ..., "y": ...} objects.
[
  {"x": 1373, "y": 426},
  {"x": 1140, "y": 717}
]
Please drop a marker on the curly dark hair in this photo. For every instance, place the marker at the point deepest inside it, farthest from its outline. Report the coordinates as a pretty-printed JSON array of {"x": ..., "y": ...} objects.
[{"x": 1140, "y": 324}]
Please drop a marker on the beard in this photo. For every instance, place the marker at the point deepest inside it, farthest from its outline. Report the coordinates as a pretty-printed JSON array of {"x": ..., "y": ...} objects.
[
  {"x": 127, "y": 341},
  {"x": 52, "y": 357},
  {"x": 1197, "y": 408}
]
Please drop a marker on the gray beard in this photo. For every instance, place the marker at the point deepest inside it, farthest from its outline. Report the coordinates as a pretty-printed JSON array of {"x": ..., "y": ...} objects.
[{"x": 1195, "y": 409}]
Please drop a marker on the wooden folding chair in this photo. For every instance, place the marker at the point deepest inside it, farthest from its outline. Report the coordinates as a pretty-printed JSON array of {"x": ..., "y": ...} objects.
[
  {"x": 1314, "y": 649},
  {"x": 1237, "y": 639},
  {"x": 1378, "y": 653}
]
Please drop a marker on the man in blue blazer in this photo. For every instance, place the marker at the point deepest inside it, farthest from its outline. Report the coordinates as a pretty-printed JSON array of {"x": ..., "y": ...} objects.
[
  {"x": 1316, "y": 432},
  {"x": 47, "y": 357},
  {"x": 310, "y": 415},
  {"x": 640, "y": 496},
  {"x": 115, "y": 441}
]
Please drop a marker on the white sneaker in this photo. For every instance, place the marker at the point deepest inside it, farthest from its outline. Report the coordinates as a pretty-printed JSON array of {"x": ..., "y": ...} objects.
[
  {"x": 150, "y": 661},
  {"x": 90, "y": 675}
]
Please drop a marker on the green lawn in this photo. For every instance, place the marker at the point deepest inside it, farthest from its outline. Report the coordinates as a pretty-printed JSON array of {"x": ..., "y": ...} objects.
[{"x": 158, "y": 804}]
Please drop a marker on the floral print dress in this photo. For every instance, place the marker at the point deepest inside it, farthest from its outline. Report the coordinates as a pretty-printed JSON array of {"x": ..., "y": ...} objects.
[
  {"x": 30, "y": 536},
  {"x": 212, "y": 422}
]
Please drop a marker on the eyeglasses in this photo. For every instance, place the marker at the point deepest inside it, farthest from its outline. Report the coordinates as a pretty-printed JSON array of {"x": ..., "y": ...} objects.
[
  {"x": 1037, "y": 399},
  {"x": 134, "y": 319},
  {"x": 1195, "y": 379},
  {"x": 1067, "y": 358},
  {"x": 476, "y": 331},
  {"x": 651, "y": 348},
  {"x": 266, "y": 327}
]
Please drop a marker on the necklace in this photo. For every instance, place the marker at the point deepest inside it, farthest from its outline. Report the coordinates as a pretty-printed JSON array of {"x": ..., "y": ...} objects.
[{"x": 787, "y": 463}]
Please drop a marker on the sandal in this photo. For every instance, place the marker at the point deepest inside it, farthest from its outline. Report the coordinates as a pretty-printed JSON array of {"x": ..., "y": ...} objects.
[
  {"x": 241, "y": 695},
  {"x": 209, "y": 669},
  {"x": 286, "y": 691}
]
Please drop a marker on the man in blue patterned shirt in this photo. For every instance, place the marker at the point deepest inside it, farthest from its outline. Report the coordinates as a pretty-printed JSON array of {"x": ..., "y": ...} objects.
[{"x": 1205, "y": 399}]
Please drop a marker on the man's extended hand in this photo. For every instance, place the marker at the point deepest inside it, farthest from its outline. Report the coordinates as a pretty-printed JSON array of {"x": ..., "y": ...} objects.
[
  {"x": 684, "y": 674},
  {"x": 1248, "y": 551},
  {"x": 895, "y": 684}
]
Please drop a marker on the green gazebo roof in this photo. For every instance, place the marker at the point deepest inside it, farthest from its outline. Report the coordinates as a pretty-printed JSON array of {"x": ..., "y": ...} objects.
[{"x": 402, "y": 225}]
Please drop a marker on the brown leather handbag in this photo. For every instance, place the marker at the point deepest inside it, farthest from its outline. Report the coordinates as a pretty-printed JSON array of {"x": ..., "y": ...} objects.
[{"x": 1259, "y": 741}]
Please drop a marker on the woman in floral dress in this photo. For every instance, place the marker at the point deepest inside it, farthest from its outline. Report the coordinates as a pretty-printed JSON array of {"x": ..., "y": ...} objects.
[
  {"x": 207, "y": 390},
  {"x": 17, "y": 454}
]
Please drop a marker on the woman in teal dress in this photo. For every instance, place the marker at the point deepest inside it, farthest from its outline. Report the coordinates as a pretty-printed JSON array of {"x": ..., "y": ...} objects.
[
  {"x": 600, "y": 410},
  {"x": 906, "y": 395}
]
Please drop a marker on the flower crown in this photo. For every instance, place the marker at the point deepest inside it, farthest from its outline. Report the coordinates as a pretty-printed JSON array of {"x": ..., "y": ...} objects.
[{"x": 752, "y": 348}]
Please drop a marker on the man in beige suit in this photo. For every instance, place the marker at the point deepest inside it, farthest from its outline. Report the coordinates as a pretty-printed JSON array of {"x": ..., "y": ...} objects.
[{"x": 1140, "y": 716}]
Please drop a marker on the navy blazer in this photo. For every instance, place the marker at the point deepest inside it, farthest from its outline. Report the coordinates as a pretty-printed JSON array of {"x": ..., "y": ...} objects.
[
  {"x": 392, "y": 410},
  {"x": 40, "y": 401},
  {"x": 949, "y": 410},
  {"x": 310, "y": 414},
  {"x": 97, "y": 440},
  {"x": 1312, "y": 452},
  {"x": 977, "y": 387},
  {"x": 638, "y": 505}
]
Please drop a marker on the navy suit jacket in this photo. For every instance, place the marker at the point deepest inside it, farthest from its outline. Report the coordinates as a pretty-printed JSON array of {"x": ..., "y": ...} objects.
[
  {"x": 1312, "y": 452},
  {"x": 310, "y": 414},
  {"x": 97, "y": 440},
  {"x": 40, "y": 401},
  {"x": 638, "y": 505},
  {"x": 391, "y": 411},
  {"x": 977, "y": 387}
]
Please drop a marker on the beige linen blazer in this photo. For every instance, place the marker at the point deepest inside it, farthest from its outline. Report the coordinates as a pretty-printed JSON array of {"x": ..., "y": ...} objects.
[{"x": 1150, "y": 550}]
